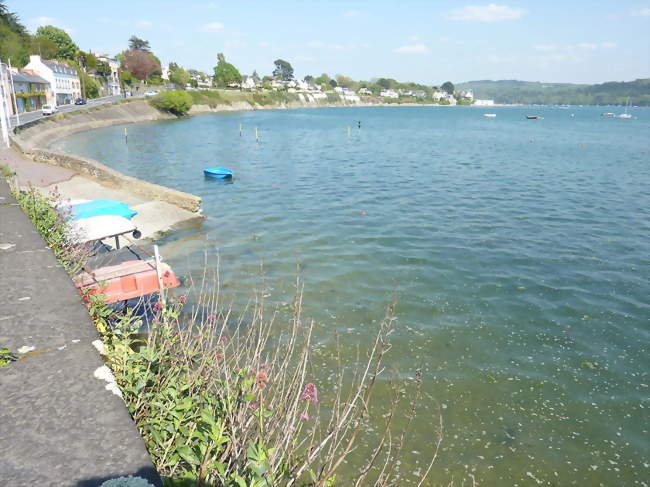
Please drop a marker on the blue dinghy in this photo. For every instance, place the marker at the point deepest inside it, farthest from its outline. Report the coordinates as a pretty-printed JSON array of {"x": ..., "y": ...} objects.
[
  {"x": 101, "y": 208},
  {"x": 218, "y": 173}
]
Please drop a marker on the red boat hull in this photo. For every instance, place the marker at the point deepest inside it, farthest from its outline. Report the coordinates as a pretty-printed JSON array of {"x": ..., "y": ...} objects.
[{"x": 127, "y": 280}]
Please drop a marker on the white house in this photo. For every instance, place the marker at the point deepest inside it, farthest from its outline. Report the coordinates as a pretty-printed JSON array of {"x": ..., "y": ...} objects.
[
  {"x": 388, "y": 94},
  {"x": 364, "y": 91},
  {"x": 484, "y": 103},
  {"x": 165, "y": 73},
  {"x": 63, "y": 79},
  {"x": 352, "y": 98},
  {"x": 114, "y": 78},
  {"x": 248, "y": 83}
]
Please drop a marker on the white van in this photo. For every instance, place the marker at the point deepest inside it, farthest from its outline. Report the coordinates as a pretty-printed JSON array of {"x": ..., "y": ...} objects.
[{"x": 48, "y": 109}]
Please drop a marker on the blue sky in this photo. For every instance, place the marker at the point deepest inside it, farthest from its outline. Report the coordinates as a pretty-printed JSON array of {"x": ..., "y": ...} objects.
[{"x": 424, "y": 41}]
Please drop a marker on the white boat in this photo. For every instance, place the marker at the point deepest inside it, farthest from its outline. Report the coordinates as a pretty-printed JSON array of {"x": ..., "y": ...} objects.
[
  {"x": 102, "y": 227},
  {"x": 626, "y": 115},
  {"x": 490, "y": 115}
]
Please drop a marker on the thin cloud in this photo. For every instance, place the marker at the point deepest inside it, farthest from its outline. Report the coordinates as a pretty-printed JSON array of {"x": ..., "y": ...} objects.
[
  {"x": 486, "y": 13},
  {"x": 211, "y": 5},
  {"x": 418, "y": 48},
  {"x": 37, "y": 22},
  {"x": 545, "y": 47},
  {"x": 144, "y": 23},
  {"x": 608, "y": 45},
  {"x": 588, "y": 45},
  {"x": 212, "y": 27},
  {"x": 644, "y": 12}
]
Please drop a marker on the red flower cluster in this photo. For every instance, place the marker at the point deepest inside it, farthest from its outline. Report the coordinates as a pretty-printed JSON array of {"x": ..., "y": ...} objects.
[
  {"x": 310, "y": 394},
  {"x": 182, "y": 299}
]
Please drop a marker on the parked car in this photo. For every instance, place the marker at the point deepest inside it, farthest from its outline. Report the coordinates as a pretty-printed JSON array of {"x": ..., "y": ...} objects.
[
  {"x": 80, "y": 101},
  {"x": 48, "y": 109},
  {"x": 150, "y": 93}
]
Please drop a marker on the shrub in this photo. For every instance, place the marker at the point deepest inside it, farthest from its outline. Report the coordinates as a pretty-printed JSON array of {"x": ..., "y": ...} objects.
[{"x": 176, "y": 102}]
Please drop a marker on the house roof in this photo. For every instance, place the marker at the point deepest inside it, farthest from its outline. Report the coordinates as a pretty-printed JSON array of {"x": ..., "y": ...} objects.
[
  {"x": 58, "y": 67},
  {"x": 23, "y": 77}
]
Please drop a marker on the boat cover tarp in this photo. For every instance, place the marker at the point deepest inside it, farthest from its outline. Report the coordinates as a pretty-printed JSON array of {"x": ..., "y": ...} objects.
[{"x": 100, "y": 208}]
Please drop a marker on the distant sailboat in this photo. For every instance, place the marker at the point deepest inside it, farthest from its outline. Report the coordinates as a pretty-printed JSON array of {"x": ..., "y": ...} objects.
[{"x": 626, "y": 115}]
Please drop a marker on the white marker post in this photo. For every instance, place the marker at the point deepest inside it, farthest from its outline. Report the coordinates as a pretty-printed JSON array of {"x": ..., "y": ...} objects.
[{"x": 159, "y": 275}]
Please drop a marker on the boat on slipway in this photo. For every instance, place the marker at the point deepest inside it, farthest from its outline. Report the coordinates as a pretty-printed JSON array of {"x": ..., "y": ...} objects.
[
  {"x": 103, "y": 227},
  {"x": 126, "y": 280},
  {"x": 89, "y": 209}
]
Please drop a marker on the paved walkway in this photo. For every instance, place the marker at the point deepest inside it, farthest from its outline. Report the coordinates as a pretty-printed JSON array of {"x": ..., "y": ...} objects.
[{"x": 59, "y": 425}]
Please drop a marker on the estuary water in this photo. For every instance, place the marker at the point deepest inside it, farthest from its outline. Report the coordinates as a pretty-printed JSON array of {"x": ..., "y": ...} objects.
[{"x": 518, "y": 252}]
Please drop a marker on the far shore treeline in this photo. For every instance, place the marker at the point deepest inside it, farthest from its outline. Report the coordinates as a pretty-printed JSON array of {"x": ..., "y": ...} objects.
[{"x": 140, "y": 66}]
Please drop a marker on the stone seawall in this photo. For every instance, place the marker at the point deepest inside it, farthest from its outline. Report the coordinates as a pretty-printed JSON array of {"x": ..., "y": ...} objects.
[
  {"x": 45, "y": 131},
  {"x": 116, "y": 179}
]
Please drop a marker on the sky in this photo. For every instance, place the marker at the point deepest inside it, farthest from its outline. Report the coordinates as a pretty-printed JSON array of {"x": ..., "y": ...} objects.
[{"x": 428, "y": 42}]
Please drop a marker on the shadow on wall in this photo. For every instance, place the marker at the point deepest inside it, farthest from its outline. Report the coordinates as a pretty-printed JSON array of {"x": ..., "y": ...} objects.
[{"x": 148, "y": 473}]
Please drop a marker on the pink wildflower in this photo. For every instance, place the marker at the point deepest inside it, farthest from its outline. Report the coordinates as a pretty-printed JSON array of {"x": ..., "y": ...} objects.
[
  {"x": 252, "y": 407},
  {"x": 157, "y": 307},
  {"x": 182, "y": 299},
  {"x": 304, "y": 417},
  {"x": 261, "y": 378},
  {"x": 219, "y": 356},
  {"x": 264, "y": 366},
  {"x": 310, "y": 394},
  {"x": 212, "y": 317}
]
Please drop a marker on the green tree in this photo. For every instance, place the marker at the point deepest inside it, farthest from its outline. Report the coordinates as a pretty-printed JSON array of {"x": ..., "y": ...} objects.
[
  {"x": 172, "y": 66},
  {"x": 11, "y": 20},
  {"x": 67, "y": 49},
  {"x": 126, "y": 78},
  {"x": 176, "y": 102},
  {"x": 137, "y": 44},
  {"x": 179, "y": 77},
  {"x": 225, "y": 73},
  {"x": 283, "y": 70},
  {"x": 448, "y": 87},
  {"x": 308, "y": 79},
  {"x": 104, "y": 69},
  {"x": 14, "y": 39}
]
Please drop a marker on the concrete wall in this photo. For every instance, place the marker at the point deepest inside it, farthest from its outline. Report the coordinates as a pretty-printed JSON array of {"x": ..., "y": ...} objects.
[
  {"x": 45, "y": 131},
  {"x": 35, "y": 139},
  {"x": 116, "y": 179}
]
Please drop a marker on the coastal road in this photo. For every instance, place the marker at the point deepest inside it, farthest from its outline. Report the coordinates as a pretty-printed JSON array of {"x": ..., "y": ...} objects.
[{"x": 24, "y": 118}]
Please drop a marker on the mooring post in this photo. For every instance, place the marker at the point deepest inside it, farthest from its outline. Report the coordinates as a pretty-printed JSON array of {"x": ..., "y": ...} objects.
[
  {"x": 349, "y": 131},
  {"x": 257, "y": 134},
  {"x": 126, "y": 135},
  {"x": 241, "y": 129},
  {"x": 159, "y": 274}
]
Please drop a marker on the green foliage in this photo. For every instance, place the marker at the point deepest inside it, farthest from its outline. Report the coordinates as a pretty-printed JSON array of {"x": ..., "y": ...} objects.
[
  {"x": 225, "y": 73},
  {"x": 126, "y": 77},
  {"x": 13, "y": 46},
  {"x": 44, "y": 47},
  {"x": 6, "y": 357},
  {"x": 611, "y": 93},
  {"x": 14, "y": 39},
  {"x": 103, "y": 69},
  {"x": 283, "y": 70},
  {"x": 448, "y": 87},
  {"x": 52, "y": 225},
  {"x": 176, "y": 102},
  {"x": 67, "y": 49},
  {"x": 179, "y": 77},
  {"x": 137, "y": 44}
]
